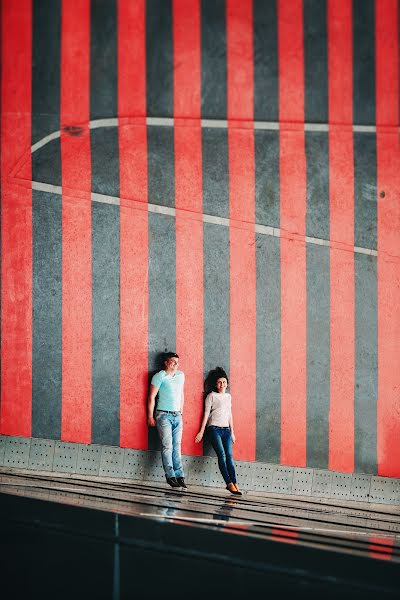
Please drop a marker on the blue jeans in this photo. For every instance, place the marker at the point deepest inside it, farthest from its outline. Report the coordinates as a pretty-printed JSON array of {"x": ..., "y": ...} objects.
[
  {"x": 169, "y": 428},
  {"x": 221, "y": 440}
]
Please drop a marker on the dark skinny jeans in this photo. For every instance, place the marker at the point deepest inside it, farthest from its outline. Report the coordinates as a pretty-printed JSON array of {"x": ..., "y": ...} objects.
[{"x": 221, "y": 440}]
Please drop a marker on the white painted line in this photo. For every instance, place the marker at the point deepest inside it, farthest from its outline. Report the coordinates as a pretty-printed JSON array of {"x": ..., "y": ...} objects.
[
  {"x": 269, "y": 125},
  {"x": 163, "y": 121},
  {"x": 364, "y": 128},
  {"x": 105, "y": 199},
  {"x": 264, "y": 229},
  {"x": 45, "y": 140},
  {"x": 362, "y": 250},
  {"x": 162, "y": 210},
  {"x": 216, "y": 123},
  {"x": 316, "y": 127},
  {"x": 167, "y": 210},
  {"x": 103, "y": 123},
  {"x": 216, "y": 220},
  {"x": 46, "y": 187}
]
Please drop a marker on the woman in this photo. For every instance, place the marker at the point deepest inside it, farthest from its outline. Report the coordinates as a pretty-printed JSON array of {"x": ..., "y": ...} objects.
[{"x": 218, "y": 420}]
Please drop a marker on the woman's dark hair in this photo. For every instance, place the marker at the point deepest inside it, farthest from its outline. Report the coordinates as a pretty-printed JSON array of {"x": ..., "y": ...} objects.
[{"x": 219, "y": 372}]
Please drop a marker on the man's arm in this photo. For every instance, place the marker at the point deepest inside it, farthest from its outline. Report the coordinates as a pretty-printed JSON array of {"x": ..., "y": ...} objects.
[
  {"x": 151, "y": 405},
  {"x": 182, "y": 399}
]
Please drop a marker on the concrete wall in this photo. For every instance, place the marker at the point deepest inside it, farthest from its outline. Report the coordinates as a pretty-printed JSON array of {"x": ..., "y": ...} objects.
[{"x": 215, "y": 178}]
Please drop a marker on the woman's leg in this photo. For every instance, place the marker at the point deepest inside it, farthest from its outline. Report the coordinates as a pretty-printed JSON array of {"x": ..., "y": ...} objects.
[
  {"x": 215, "y": 438},
  {"x": 227, "y": 444}
]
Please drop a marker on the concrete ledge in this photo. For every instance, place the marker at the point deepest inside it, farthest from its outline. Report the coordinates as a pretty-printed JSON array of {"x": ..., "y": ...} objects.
[{"x": 35, "y": 454}]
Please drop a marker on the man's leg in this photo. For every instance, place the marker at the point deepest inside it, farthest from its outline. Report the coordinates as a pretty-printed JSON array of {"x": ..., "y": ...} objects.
[
  {"x": 164, "y": 427},
  {"x": 176, "y": 446}
]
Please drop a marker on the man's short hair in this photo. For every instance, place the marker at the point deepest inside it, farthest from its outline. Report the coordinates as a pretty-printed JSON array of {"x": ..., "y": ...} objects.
[{"x": 169, "y": 355}]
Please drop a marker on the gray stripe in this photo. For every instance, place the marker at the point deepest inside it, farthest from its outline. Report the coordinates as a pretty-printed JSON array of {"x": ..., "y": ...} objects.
[
  {"x": 105, "y": 324},
  {"x": 161, "y": 166},
  {"x": 366, "y": 364},
  {"x": 318, "y": 355},
  {"x": 46, "y": 316},
  {"x": 365, "y": 191},
  {"x": 268, "y": 349},
  {"x": 166, "y": 210},
  {"x": 267, "y": 178},
  {"x": 317, "y": 217},
  {"x": 215, "y": 172}
]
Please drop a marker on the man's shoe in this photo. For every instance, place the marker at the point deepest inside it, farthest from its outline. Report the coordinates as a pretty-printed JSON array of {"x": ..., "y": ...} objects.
[
  {"x": 173, "y": 482},
  {"x": 181, "y": 482}
]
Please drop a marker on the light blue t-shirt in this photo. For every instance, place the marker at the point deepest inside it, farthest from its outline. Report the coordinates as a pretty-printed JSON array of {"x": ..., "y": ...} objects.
[{"x": 169, "y": 390}]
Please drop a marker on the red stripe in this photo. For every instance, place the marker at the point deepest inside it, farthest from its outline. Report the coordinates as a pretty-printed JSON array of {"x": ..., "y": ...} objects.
[
  {"x": 388, "y": 158},
  {"x": 380, "y": 547},
  {"x": 285, "y": 535},
  {"x": 133, "y": 224},
  {"x": 239, "y": 17},
  {"x": 188, "y": 202},
  {"x": 292, "y": 220},
  {"x": 76, "y": 419},
  {"x": 341, "y": 190},
  {"x": 16, "y": 238}
]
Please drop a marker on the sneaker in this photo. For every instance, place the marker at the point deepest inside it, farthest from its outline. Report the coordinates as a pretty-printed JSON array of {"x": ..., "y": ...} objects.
[
  {"x": 181, "y": 482},
  {"x": 173, "y": 482}
]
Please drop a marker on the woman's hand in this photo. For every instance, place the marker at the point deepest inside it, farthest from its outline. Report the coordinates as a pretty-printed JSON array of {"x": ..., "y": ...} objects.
[
  {"x": 198, "y": 437},
  {"x": 233, "y": 437}
]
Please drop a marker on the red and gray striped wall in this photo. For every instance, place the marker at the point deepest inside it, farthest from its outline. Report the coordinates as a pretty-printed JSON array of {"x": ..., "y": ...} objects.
[{"x": 215, "y": 177}]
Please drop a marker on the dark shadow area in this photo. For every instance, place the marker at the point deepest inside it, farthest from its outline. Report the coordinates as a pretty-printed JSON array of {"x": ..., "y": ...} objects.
[{"x": 59, "y": 551}]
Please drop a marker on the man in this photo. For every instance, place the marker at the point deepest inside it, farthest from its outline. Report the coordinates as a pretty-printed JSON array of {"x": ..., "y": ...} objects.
[{"x": 169, "y": 384}]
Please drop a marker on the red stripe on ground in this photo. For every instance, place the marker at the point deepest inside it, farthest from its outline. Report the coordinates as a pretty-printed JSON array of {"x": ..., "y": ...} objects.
[
  {"x": 133, "y": 224},
  {"x": 388, "y": 159},
  {"x": 241, "y": 235},
  {"x": 16, "y": 235},
  {"x": 285, "y": 535},
  {"x": 76, "y": 412},
  {"x": 292, "y": 221},
  {"x": 341, "y": 191},
  {"x": 380, "y": 547},
  {"x": 188, "y": 202}
]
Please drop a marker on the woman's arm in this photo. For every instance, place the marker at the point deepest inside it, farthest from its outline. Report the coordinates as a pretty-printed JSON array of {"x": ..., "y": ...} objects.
[{"x": 207, "y": 410}]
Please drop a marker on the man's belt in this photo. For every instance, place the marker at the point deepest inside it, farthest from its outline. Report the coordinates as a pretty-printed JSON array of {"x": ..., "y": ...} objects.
[{"x": 170, "y": 412}]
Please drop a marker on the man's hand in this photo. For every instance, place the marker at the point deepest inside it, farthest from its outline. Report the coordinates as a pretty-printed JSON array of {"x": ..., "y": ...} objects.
[
  {"x": 233, "y": 437},
  {"x": 151, "y": 422}
]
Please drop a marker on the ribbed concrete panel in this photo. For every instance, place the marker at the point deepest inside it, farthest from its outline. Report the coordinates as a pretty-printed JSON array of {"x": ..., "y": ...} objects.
[
  {"x": 16, "y": 454},
  {"x": 153, "y": 469},
  {"x": 133, "y": 465},
  {"x": 65, "y": 457},
  {"x": 263, "y": 475},
  {"x": 341, "y": 485},
  {"x": 41, "y": 455},
  {"x": 360, "y": 487},
  {"x": 302, "y": 482},
  {"x": 215, "y": 477},
  {"x": 322, "y": 483},
  {"x": 282, "y": 480},
  {"x": 385, "y": 490},
  {"x": 88, "y": 460},
  {"x": 111, "y": 462},
  {"x": 245, "y": 474},
  {"x": 198, "y": 470},
  {"x": 2, "y": 448}
]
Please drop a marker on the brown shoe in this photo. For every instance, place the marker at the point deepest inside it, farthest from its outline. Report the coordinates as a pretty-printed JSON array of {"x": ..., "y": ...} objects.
[
  {"x": 237, "y": 489},
  {"x": 232, "y": 488}
]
